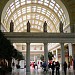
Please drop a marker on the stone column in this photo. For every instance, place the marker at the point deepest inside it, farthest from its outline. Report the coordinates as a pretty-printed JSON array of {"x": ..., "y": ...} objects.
[
  {"x": 46, "y": 53},
  {"x": 52, "y": 52},
  {"x": 73, "y": 51},
  {"x": 62, "y": 55},
  {"x": 56, "y": 55},
  {"x": 70, "y": 49},
  {"x": 28, "y": 58},
  {"x": 35, "y": 59},
  {"x": 71, "y": 56}
]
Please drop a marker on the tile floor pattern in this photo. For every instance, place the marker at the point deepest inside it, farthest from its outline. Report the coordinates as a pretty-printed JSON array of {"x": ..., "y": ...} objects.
[{"x": 37, "y": 72}]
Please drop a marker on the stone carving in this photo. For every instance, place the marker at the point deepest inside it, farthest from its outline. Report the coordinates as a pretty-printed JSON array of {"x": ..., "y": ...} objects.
[
  {"x": 45, "y": 27},
  {"x": 61, "y": 27},
  {"x": 28, "y": 26},
  {"x": 11, "y": 26}
]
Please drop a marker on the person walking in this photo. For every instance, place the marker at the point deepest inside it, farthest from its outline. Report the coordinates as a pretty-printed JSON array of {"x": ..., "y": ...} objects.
[
  {"x": 34, "y": 65},
  {"x": 44, "y": 66},
  {"x": 68, "y": 65},
  {"x": 53, "y": 67},
  {"x": 57, "y": 68},
  {"x": 65, "y": 67}
]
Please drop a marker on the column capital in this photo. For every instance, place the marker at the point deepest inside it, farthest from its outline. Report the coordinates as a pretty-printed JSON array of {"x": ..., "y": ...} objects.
[
  {"x": 27, "y": 42},
  {"x": 62, "y": 43},
  {"x": 45, "y": 42}
]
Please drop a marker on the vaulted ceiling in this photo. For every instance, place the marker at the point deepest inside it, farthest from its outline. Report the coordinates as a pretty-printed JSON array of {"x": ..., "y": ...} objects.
[{"x": 36, "y": 11}]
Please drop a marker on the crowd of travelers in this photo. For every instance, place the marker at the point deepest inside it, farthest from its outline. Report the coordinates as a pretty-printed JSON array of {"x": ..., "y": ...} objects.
[
  {"x": 55, "y": 67},
  {"x": 52, "y": 65}
]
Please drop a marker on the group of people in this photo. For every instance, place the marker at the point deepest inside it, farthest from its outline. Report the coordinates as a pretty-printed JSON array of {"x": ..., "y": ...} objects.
[
  {"x": 55, "y": 66},
  {"x": 35, "y": 65}
]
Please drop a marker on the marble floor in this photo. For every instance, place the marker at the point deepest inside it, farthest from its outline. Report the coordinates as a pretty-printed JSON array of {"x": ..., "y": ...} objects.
[{"x": 38, "y": 72}]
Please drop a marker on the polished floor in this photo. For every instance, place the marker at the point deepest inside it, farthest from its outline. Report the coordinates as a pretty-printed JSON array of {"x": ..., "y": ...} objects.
[{"x": 38, "y": 72}]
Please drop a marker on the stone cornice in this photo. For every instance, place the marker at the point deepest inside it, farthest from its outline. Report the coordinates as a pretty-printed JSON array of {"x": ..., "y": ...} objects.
[{"x": 23, "y": 37}]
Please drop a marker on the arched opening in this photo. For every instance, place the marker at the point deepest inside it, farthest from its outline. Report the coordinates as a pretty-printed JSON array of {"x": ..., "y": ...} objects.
[{"x": 36, "y": 12}]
